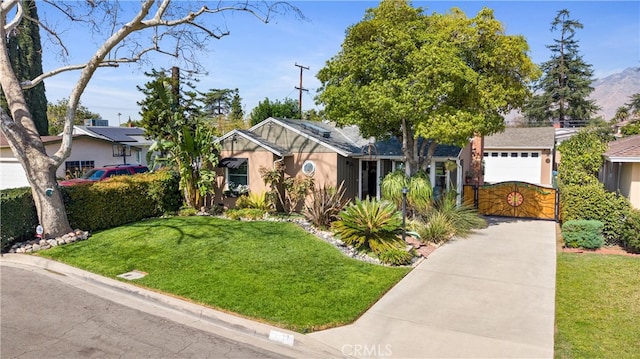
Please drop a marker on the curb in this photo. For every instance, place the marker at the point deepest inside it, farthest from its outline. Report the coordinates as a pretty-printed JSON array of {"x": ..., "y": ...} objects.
[{"x": 260, "y": 335}]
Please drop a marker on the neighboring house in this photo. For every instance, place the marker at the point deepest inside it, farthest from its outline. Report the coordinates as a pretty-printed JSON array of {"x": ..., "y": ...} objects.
[
  {"x": 325, "y": 152},
  {"x": 520, "y": 154},
  {"x": 621, "y": 169},
  {"x": 91, "y": 147}
]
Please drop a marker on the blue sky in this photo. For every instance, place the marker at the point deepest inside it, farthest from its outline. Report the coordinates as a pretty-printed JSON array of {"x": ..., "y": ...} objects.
[{"x": 259, "y": 59}]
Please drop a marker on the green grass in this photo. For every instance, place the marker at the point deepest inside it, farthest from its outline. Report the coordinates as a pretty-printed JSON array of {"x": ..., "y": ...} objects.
[
  {"x": 269, "y": 271},
  {"x": 597, "y": 306}
]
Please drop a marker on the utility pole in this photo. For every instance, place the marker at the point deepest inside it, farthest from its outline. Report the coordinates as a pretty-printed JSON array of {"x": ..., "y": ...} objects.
[{"x": 301, "y": 88}]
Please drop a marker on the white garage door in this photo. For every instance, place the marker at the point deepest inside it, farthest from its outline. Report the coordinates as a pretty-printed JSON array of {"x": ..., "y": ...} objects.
[
  {"x": 512, "y": 166},
  {"x": 11, "y": 174}
]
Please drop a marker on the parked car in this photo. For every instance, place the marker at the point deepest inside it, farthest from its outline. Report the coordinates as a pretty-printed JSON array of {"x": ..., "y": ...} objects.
[{"x": 102, "y": 173}]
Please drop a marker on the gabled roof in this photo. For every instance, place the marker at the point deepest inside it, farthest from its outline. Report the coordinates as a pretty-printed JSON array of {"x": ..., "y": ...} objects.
[
  {"x": 322, "y": 133},
  {"x": 269, "y": 146},
  {"x": 4, "y": 143},
  {"x": 347, "y": 141},
  {"x": 522, "y": 137},
  {"x": 626, "y": 149}
]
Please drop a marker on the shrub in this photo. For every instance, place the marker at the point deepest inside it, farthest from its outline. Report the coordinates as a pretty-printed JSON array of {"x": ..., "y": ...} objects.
[
  {"x": 463, "y": 218},
  {"x": 396, "y": 256},
  {"x": 254, "y": 201},
  {"x": 583, "y": 234},
  {"x": 419, "y": 186},
  {"x": 19, "y": 216},
  {"x": 246, "y": 213},
  {"x": 121, "y": 200},
  {"x": 631, "y": 231},
  {"x": 370, "y": 224},
  {"x": 437, "y": 229},
  {"x": 325, "y": 205},
  {"x": 596, "y": 203}
]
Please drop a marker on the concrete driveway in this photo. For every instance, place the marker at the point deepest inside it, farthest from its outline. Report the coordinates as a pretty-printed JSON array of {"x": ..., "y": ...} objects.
[{"x": 489, "y": 296}]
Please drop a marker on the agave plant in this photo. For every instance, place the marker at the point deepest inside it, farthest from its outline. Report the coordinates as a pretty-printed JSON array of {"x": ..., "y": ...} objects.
[
  {"x": 254, "y": 201},
  {"x": 370, "y": 224}
]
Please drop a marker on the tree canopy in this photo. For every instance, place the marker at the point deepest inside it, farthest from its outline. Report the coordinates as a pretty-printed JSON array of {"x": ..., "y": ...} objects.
[
  {"x": 441, "y": 77},
  {"x": 57, "y": 114},
  {"x": 562, "y": 93},
  {"x": 25, "y": 53},
  {"x": 265, "y": 109}
]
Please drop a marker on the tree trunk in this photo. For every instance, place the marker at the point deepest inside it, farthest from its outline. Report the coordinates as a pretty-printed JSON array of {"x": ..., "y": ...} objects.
[{"x": 48, "y": 198}]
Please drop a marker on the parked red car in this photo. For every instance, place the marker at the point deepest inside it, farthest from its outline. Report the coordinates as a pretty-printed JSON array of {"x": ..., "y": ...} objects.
[{"x": 102, "y": 173}]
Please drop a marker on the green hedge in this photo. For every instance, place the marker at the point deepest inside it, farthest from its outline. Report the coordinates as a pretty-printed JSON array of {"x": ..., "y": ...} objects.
[
  {"x": 19, "y": 216},
  {"x": 122, "y": 200},
  {"x": 594, "y": 202},
  {"x": 101, "y": 205},
  {"x": 583, "y": 234},
  {"x": 631, "y": 231}
]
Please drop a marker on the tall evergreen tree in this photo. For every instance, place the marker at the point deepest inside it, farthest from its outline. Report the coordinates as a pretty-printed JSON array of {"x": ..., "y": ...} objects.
[
  {"x": 562, "y": 93},
  {"x": 25, "y": 52}
]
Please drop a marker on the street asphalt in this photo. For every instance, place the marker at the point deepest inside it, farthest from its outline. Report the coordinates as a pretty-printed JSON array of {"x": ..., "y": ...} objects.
[{"x": 491, "y": 295}]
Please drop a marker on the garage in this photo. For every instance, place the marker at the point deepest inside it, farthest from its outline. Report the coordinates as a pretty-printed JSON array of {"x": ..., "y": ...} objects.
[
  {"x": 501, "y": 166},
  {"x": 12, "y": 174}
]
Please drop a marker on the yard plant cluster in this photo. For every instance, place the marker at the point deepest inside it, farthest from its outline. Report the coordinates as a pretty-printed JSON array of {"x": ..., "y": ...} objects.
[
  {"x": 369, "y": 225},
  {"x": 583, "y": 197}
]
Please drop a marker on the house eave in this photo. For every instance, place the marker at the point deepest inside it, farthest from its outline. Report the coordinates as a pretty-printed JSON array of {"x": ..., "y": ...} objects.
[{"x": 622, "y": 159}]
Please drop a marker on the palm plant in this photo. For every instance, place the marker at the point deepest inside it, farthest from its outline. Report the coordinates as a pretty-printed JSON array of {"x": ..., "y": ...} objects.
[
  {"x": 370, "y": 224},
  {"x": 420, "y": 190}
]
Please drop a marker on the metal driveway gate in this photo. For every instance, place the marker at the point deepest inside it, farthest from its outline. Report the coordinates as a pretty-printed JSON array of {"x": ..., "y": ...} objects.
[{"x": 514, "y": 199}]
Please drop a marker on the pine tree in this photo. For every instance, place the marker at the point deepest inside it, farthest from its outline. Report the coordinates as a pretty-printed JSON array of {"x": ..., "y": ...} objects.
[
  {"x": 25, "y": 52},
  {"x": 561, "y": 94}
]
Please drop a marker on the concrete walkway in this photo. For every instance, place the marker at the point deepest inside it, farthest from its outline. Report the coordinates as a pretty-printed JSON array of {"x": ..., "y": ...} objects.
[{"x": 489, "y": 296}]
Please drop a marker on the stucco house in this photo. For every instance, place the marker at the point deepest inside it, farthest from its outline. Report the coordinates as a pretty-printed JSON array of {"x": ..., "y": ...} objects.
[
  {"x": 325, "y": 152},
  {"x": 520, "y": 154},
  {"x": 621, "y": 169},
  {"x": 92, "y": 146}
]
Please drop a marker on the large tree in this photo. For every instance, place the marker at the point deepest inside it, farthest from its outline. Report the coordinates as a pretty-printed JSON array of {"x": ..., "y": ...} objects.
[
  {"x": 440, "y": 77},
  {"x": 154, "y": 26},
  {"x": 57, "y": 114},
  {"x": 25, "y": 53},
  {"x": 286, "y": 109},
  {"x": 562, "y": 93}
]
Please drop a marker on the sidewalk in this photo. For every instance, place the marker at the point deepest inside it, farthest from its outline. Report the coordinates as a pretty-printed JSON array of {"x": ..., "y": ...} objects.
[{"x": 489, "y": 296}]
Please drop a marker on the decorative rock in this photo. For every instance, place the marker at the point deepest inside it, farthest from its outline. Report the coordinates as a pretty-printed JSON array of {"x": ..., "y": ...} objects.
[{"x": 36, "y": 247}]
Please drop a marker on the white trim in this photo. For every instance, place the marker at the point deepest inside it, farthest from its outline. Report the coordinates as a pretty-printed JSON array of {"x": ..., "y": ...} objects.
[
  {"x": 622, "y": 159},
  {"x": 378, "y": 181},
  {"x": 360, "y": 178},
  {"x": 273, "y": 120}
]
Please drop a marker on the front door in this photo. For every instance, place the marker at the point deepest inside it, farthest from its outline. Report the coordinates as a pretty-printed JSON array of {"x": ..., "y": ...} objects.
[{"x": 369, "y": 179}]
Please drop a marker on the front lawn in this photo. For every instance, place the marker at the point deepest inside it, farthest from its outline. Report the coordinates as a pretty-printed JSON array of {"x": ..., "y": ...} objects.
[
  {"x": 597, "y": 306},
  {"x": 270, "y": 271}
]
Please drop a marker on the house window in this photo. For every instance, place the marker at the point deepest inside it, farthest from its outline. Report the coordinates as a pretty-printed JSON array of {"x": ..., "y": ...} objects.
[
  {"x": 308, "y": 168},
  {"x": 524, "y": 154},
  {"x": 74, "y": 169},
  {"x": 504, "y": 154},
  {"x": 486, "y": 154},
  {"x": 239, "y": 175},
  {"x": 514, "y": 154},
  {"x": 535, "y": 154},
  {"x": 494, "y": 154}
]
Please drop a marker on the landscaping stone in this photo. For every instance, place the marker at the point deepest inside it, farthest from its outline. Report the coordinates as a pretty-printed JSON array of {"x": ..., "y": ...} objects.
[{"x": 43, "y": 243}]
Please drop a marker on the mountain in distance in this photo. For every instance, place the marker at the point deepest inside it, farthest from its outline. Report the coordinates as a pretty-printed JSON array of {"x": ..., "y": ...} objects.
[{"x": 615, "y": 91}]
